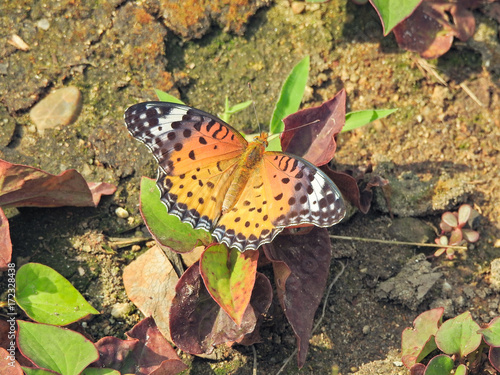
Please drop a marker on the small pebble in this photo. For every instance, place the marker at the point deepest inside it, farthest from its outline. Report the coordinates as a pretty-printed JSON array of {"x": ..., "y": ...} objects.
[
  {"x": 298, "y": 7},
  {"x": 60, "y": 107},
  {"x": 121, "y": 213},
  {"x": 121, "y": 310},
  {"x": 81, "y": 271},
  {"x": 43, "y": 24},
  {"x": 366, "y": 330}
]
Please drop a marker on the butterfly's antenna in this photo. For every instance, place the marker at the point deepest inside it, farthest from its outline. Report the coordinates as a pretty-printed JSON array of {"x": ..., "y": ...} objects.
[
  {"x": 253, "y": 105},
  {"x": 287, "y": 130},
  {"x": 301, "y": 126}
]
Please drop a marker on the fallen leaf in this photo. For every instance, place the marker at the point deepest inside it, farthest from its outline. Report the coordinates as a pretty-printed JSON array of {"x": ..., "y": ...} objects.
[
  {"x": 5, "y": 243},
  {"x": 22, "y": 186},
  {"x": 433, "y": 25},
  {"x": 150, "y": 284},
  {"x": 145, "y": 351}
]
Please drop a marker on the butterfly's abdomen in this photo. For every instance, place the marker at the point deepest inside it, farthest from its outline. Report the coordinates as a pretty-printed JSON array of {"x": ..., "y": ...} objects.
[{"x": 250, "y": 160}]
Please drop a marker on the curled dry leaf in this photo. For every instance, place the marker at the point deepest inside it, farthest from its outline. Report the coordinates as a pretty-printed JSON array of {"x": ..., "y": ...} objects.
[
  {"x": 433, "y": 25},
  {"x": 5, "y": 244},
  {"x": 150, "y": 284},
  {"x": 21, "y": 186},
  {"x": 145, "y": 351}
]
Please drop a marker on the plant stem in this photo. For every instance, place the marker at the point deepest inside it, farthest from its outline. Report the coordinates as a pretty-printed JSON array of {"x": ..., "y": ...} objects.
[{"x": 396, "y": 242}]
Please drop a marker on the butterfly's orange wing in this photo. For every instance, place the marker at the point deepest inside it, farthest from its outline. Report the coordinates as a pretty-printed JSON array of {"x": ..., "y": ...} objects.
[
  {"x": 196, "y": 153},
  {"x": 284, "y": 190}
]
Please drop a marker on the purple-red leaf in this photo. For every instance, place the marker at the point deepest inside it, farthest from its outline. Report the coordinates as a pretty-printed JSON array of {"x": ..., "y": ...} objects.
[
  {"x": 21, "y": 186},
  {"x": 494, "y": 357},
  {"x": 349, "y": 186},
  {"x": 5, "y": 244},
  {"x": 310, "y": 133},
  {"x": 301, "y": 264},
  {"x": 431, "y": 27},
  {"x": 417, "y": 369},
  {"x": 229, "y": 277},
  {"x": 150, "y": 284},
  {"x": 198, "y": 324},
  {"x": 145, "y": 351}
]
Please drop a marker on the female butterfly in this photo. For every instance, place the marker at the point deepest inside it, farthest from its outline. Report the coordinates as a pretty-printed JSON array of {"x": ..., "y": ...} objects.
[{"x": 212, "y": 178}]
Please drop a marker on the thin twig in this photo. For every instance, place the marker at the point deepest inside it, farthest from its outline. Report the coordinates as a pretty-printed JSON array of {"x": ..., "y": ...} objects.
[
  {"x": 327, "y": 294},
  {"x": 471, "y": 94},
  {"x": 254, "y": 369},
  {"x": 397, "y": 242}
]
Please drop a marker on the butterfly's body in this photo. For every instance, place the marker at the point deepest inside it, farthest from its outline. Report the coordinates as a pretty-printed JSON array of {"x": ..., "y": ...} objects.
[
  {"x": 212, "y": 178},
  {"x": 250, "y": 160}
]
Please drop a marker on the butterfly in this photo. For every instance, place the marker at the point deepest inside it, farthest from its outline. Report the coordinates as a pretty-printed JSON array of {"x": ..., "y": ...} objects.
[{"x": 210, "y": 177}]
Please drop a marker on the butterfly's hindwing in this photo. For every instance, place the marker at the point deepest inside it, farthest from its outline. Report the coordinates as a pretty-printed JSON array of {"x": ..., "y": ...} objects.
[{"x": 301, "y": 193}]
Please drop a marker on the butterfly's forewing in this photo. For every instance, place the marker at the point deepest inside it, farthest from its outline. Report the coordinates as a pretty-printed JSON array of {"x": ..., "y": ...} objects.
[{"x": 196, "y": 153}]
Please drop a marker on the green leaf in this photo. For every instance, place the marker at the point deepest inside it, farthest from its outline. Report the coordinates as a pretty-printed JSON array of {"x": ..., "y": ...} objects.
[
  {"x": 392, "y": 12},
  {"x": 100, "y": 371},
  {"x": 228, "y": 111},
  {"x": 290, "y": 96},
  {"x": 47, "y": 297},
  {"x": 491, "y": 332},
  {"x": 459, "y": 335},
  {"x": 461, "y": 370},
  {"x": 164, "y": 97},
  {"x": 416, "y": 343},
  {"x": 37, "y": 371},
  {"x": 439, "y": 365},
  {"x": 168, "y": 230},
  {"x": 274, "y": 144},
  {"x": 354, "y": 120},
  {"x": 229, "y": 277},
  {"x": 55, "y": 348}
]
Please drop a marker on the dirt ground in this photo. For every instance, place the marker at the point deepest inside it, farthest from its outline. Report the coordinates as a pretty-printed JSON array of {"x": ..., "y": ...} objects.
[{"x": 446, "y": 132}]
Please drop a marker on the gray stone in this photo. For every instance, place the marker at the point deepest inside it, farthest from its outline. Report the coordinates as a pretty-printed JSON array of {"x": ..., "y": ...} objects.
[
  {"x": 60, "y": 107},
  {"x": 410, "y": 286},
  {"x": 495, "y": 274}
]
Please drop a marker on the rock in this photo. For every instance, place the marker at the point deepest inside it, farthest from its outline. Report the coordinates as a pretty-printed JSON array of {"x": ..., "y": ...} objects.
[
  {"x": 411, "y": 195},
  {"x": 59, "y": 108},
  {"x": 410, "y": 286},
  {"x": 298, "y": 7},
  {"x": 495, "y": 274},
  {"x": 410, "y": 229},
  {"x": 121, "y": 213},
  {"x": 121, "y": 310}
]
